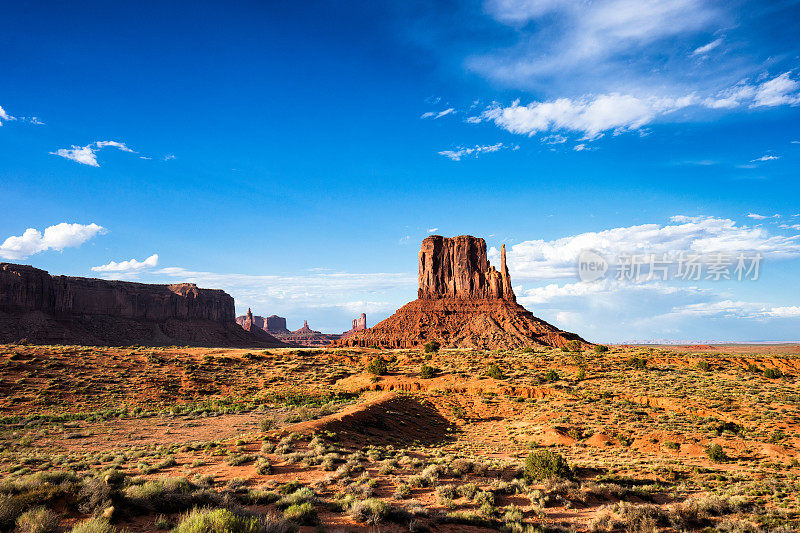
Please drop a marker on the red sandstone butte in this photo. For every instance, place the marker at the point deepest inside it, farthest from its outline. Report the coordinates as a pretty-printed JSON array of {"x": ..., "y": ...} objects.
[{"x": 463, "y": 302}]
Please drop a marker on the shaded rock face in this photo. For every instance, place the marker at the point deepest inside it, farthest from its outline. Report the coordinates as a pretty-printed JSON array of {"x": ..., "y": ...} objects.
[
  {"x": 43, "y": 308},
  {"x": 458, "y": 268},
  {"x": 463, "y": 302},
  {"x": 275, "y": 324}
]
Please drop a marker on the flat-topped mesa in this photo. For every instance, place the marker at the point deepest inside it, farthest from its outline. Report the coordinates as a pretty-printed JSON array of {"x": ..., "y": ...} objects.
[
  {"x": 45, "y": 309},
  {"x": 457, "y": 267}
]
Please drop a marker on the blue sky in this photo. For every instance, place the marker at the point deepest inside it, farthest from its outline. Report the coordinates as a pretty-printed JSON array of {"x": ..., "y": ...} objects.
[{"x": 296, "y": 154}]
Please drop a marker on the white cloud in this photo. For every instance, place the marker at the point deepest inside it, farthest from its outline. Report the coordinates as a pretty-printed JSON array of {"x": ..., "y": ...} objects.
[
  {"x": 57, "y": 237},
  {"x": 433, "y": 230},
  {"x": 795, "y": 227},
  {"x": 777, "y": 91},
  {"x": 87, "y": 155},
  {"x": 756, "y": 216},
  {"x": 460, "y": 151},
  {"x": 440, "y": 114},
  {"x": 4, "y": 116},
  {"x": 128, "y": 266},
  {"x": 169, "y": 157},
  {"x": 780, "y": 90},
  {"x": 706, "y": 48},
  {"x": 563, "y": 42},
  {"x": 590, "y": 116},
  {"x": 580, "y": 147},
  {"x": 766, "y": 157},
  {"x": 540, "y": 259}
]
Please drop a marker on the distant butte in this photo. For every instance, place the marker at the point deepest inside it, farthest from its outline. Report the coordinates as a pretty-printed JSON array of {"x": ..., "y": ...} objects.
[
  {"x": 463, "y": 302},
  {"x": 45, "y": 309}
]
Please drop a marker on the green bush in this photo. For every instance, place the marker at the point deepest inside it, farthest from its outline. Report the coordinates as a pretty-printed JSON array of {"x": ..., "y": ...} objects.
[
  {"x": 37, "y": 520},
  {"x": 638, "y": 362},
  {"x": 217, "y": 521},
  {"x": 267, "y": 424},
  {"x": 581, "y": 375},
  {"x": 772, "y": 373},
  {"x": 369, "y": 511},
  {"x": 427, "y": 371},
  {"x": 94, "y": 525},
  {"x": 551, "y": 376},
  {"x": 546, "y": 464},
  {"x": 431, "y": 347},
  {"x": 574, "y": 346},
  {"x": 378, "y": 366},
  {"x": 716, "y": 453},
  {"x": 600, "y": 349},
  {"x": 301, "y": 513},
  {"x": 704, "y": 365},
  {"x": 495, "y": 372}
]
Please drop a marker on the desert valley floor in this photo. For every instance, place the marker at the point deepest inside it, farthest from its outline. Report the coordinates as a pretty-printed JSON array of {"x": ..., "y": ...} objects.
[{"x": 655, "y": 438}]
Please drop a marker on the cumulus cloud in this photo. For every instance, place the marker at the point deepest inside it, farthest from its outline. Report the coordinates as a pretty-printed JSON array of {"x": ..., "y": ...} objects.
[
  {"x": 780, "y": 90},
  {"x": 87, "y": 155},
  {"x": 461, "y": 151},
  {"x": 540, "y": 259},
  {"x": 57, "y": 237},
  {"x": 590, "y": 116},
  {"x": 130, "y": 265}
]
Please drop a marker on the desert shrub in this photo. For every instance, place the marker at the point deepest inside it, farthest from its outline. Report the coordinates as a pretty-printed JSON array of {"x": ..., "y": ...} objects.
[
  {"x": 94, "y": 493},
  {"x": 716, "y": 453},
  {"x": 225, "y": 521},
  {"x": 546, "y": 464},
  {"x": 263, "y": 466},
  {"x": 752, "y": 367},
  {"x": 162, "y": 522},
  {"x": 600, "y": 348},
  {"x": 551, "y": 376},
  {"x": 403, "y": 491},
  {"x": 431, "y": 347},
  {"x": 236, "y": 459},
  {"x": 10, "y": 509},
  {"x": 301, "y": 513},
  {"x": 93, "y": 525},
  {"x": 638, "y": 362},
  {"x": 301, "y": 495},
  {"x": 37, "y": 520},
  {"x": 378, "y": 366},
  {"x": 512, "y": 514},
  {"x": 446, "y": 492},
  {"x": 369, "y": 511},
  {"x": 581, "y": 375},
  {"x": 772, "y": 373},
  {"x": 704, "y": 365},
  {"x": 574, "y": 346},
  {"x": 427, "y": 372},
  {"x": 267, "y": 424},
  {"x": 777, "y": 436},
  {"x": 467, "y": 490},
  {"x": 494, "y": 371}
]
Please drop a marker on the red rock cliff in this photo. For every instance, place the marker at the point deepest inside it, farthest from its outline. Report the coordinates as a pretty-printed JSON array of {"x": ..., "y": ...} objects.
[{"x": 457, "y": 267}]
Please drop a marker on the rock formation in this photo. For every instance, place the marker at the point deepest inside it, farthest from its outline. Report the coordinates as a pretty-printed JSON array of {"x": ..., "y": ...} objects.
[
  {"x": 275, "y": 324},
  {"x": 359, "y": 324},
  {"x": 463, "y": 302},
  {"x": 306, "y": 336},
  {"x": 46, "y": 309}
]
